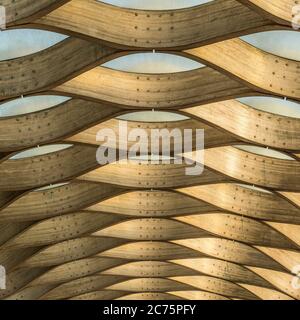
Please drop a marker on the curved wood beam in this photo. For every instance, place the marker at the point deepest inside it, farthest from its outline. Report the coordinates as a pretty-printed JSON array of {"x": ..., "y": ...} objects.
[
  {"x": 279, "y": 11},
  {"x": 100, "y": 295},
  {"x": 70, "y": 250},
  {"x": 23, "y": 11},
  {"x": 156, "y": 29},
  {"x": 265, "y": 171},
  {"x": 239, "y": 229},
  {"x": 121, "y": 295},
  {"x": 231, "y": 251},
  {"x": 53, "y": 124},
  {"x": 267, "y": 294},
  {"x": 288, "y": 259},
  {"x": 12, "y": 258},
  {"x": 281, "y": 280},
  {"x": 88, "y": 267},
  {"x": 30, "y": 293},
  {"x": 111, "y": 283},
  {"x": 105, "y": 198},
  {"x": 62, "y": 199},
  {"x": 290, "y": 230},
  {"x": 137, "y": 90},
  {"x": 9, "y": 230},
  {"x": 18, "y": 280},
  {"x": 81, "y": 286},
  {"x": 213, "y": 137},
  {"x": 155, "y": 203},
  {"x": 98, "y": 197},
  {"x": 94, "y": 264},
  {"x": 153, "y": 90},
  {"x": 76, "y": 269},
  {"x": 223, "y": 270},
  {"x": 26, "y": 173},
  {"x": 235, "y": 122},
  {"x": 252, "y": 168},
  {"x": 142, "y": 230},
  {"x": 7, "y": 197},
  {"x": 198, "y": 295},
  {"x": 150, "y": 296},
  {"x": 150, "y": 176},
  {"x": 50, "y": 67},
  {"x": 251, "y": 124},
  {"x": 61, "y": 228},
  {"x": 218, "y": 286},
  {"x": 153, "y": 228},
  {"x": 246, "y": 202},
  {"x": 174, "y": 283},
  {"x": 74, "y": 161},
  {"x": 258, "y": 68}
]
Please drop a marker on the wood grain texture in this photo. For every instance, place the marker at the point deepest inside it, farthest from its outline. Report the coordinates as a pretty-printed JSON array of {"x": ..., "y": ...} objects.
[
  {"x": 22, "y": 11},
  {"x": 72, "y": 229},
  {"x": 131, "y": 28},
  {"x": 50, "y": 125},
  {"x": 252, "y": 65},
  {"x": 254, "y": 125},
  {"x": 47, "y": 68}
]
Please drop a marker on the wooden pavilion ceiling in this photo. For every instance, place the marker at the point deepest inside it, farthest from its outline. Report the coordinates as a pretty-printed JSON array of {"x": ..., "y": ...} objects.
[{"x": 150, "y": 231}]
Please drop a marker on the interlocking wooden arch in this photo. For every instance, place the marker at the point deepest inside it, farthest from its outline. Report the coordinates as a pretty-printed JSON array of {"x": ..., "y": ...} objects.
[{"x": 142, "y": 231}]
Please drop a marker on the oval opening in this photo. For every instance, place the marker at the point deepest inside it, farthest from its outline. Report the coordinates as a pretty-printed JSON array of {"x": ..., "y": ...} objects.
[
  {"x": 285, "y": 44},
  {"x": 148, "y": 158},
  {"x": 264, "y": 152},
  {"x": 254, "y": 188},
  {"x": 27, "y": 105},
  {"x": 39, "y": 151},
  {"x": 150, "y": 62},
  {"x": 155, "y": 4},
  {"x": 52, "y": 186},
  {"x": 273, "y": 105},
  {"x": 22, "y": 42},
  {"x": 152, "y": 116}
]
